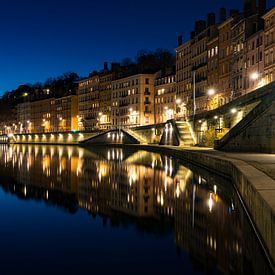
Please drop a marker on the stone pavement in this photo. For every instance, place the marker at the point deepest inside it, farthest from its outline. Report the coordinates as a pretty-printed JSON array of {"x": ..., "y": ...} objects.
[{"x": 263, "y": 162}]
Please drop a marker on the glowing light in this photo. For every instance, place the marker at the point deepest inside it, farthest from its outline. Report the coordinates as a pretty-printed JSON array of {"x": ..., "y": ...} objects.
[
  {"x": 254, "y": 76},
  {"x": 178, "y": 101},
  {"x": 210, "y": 203},
  {"x": 211, "y": 92},
  {"x": 233, "y": 111}
]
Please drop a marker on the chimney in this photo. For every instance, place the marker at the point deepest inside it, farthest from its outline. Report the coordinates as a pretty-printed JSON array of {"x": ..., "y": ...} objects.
[
  {"x": 192, "y": 34},
  {"x": 234, "y": 13},
  {"x": 222, "y": 15},
  {"x": 262, "y": 7},
  {"x": 254, "y": 6},
  {"x": 211, "y": 19},
  {"x": 115, "y": 66},
  {"x": 179, "y": 40},
  {"x": 105, "y": 66},
  {"x": 250, "y": 7},
  {"x": 200, "y": 26}
]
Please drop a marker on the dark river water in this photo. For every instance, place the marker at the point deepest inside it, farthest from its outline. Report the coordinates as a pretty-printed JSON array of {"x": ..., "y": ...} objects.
[{"x": 70, "y": 210}]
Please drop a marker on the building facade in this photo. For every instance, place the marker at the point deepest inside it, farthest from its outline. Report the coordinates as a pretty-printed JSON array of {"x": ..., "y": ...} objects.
[
  {"x": 183, "y": 71},
  {"x": 88, "y": 103},
  {"x": 254, "y": 61},
  {"x": 269, "y": 46},
  {"x": 133, "y": 101},
  {"x": 48, "y": 115},
  {"x": 165, "y": 97},
  {"x": 105, "y": 96}
]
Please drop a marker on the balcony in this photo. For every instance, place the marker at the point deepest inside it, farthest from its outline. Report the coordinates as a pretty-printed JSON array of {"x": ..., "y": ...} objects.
[{"x": 198, "y": 66}]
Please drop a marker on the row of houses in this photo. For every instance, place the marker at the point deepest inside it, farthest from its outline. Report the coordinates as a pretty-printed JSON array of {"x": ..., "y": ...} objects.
[{"x": 220, "y": 62}]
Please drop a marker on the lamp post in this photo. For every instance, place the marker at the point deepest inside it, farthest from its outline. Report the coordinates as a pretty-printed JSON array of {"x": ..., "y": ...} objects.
[
  {"x": 254, "y": 76},
  {"x": 210, "y": 93},
  {"x": 155, "y": 115},
  {"x": 178, "y": 107},
  {"x": 194, "y": 98},
  {"x": 99, "y": 119}
]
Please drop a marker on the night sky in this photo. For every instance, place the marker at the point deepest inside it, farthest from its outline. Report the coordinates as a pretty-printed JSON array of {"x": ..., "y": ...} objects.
[{"x": 40, "y": 39}]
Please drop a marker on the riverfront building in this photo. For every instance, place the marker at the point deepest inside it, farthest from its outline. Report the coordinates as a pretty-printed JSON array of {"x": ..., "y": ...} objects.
[
  {"x": 183, "y": 71},
  {"x": 48, "y": 115},
  {"x": 165, "y": 96},
  {"x": 133, "y": 100},
  {"x": 269, "y": 46},
  {"x": 88, "y": 103}
]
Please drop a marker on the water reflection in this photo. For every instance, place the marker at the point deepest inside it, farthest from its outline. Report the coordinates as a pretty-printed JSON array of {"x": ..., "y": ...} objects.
[{"x": 202, "y": 209}]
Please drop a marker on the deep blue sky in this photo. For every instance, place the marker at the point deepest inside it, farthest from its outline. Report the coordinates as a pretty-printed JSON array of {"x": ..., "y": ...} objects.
[{"x": 43, "y": 38}]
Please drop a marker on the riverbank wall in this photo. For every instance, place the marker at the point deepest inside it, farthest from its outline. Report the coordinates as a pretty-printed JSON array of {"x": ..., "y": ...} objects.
[{"x": 62, "y": 138}]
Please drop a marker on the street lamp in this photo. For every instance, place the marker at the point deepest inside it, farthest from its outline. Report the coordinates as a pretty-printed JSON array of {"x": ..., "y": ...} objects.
[
  {"x": 178, "y": 107},
  {"x": 211, "y": 92},
  {"x": 233, "y": 110},
  {"x": 254, "y": 76}
]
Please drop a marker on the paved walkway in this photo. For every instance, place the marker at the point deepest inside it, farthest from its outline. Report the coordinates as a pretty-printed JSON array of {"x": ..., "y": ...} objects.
[{"x": 263, "y": 162}]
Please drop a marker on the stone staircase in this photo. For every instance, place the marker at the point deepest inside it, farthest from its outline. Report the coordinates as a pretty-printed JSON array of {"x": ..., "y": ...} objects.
[
  {"x": 186, "y": 137},
  {"x": 138, "y": 137}
]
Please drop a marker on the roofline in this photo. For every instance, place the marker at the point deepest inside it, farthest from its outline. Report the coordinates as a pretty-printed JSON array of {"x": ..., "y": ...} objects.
[
  {"x": 268, "y": 13},
  {"x": 225, "y": 22}
]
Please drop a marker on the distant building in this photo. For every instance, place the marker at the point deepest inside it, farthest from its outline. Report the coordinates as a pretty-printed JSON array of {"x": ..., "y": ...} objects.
[
  {"x": 203, "y": 33},
  {"x": 48, "y": 115},
  {"x": 133, "y": 100},
  {"x": 88, "y": 103},
  {"x": 269, "y": 46},
  {"x": 105, "y": 96},
  {"x": 225, "y": 58},
  {"x": 165, "y": 96},
  {"x": 213, "y": 94},
  {"x": 254, "y": 65},
  {"x": 183, "y": 71}
]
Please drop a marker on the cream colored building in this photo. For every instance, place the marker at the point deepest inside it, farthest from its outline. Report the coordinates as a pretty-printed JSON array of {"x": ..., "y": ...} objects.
[
  {"x": 183, "y": 72},
  {"x": 269, "y": 46},
  {"x": 48, "y": 115},
  {"x": 88, "y": 103},
  {"x": 225, "y": 57},
  {"x": 24, "y": 117},
  {"x": 133, "y": 101},
  {"x": 105, "y": 96},
  {"x": 165, "y": 97},
  {"x": 254, "y": 61}
]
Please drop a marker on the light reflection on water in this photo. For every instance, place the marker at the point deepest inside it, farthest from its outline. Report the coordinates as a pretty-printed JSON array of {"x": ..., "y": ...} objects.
[{"x": 199, "y": 209}]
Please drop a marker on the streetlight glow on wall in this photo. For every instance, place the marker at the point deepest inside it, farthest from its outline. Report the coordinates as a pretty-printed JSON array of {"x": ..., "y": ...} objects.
[
  {"x": 234, "y": 110},
  {"x": 211, "y": 92},
  {"x": 254, "y": 76}
]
